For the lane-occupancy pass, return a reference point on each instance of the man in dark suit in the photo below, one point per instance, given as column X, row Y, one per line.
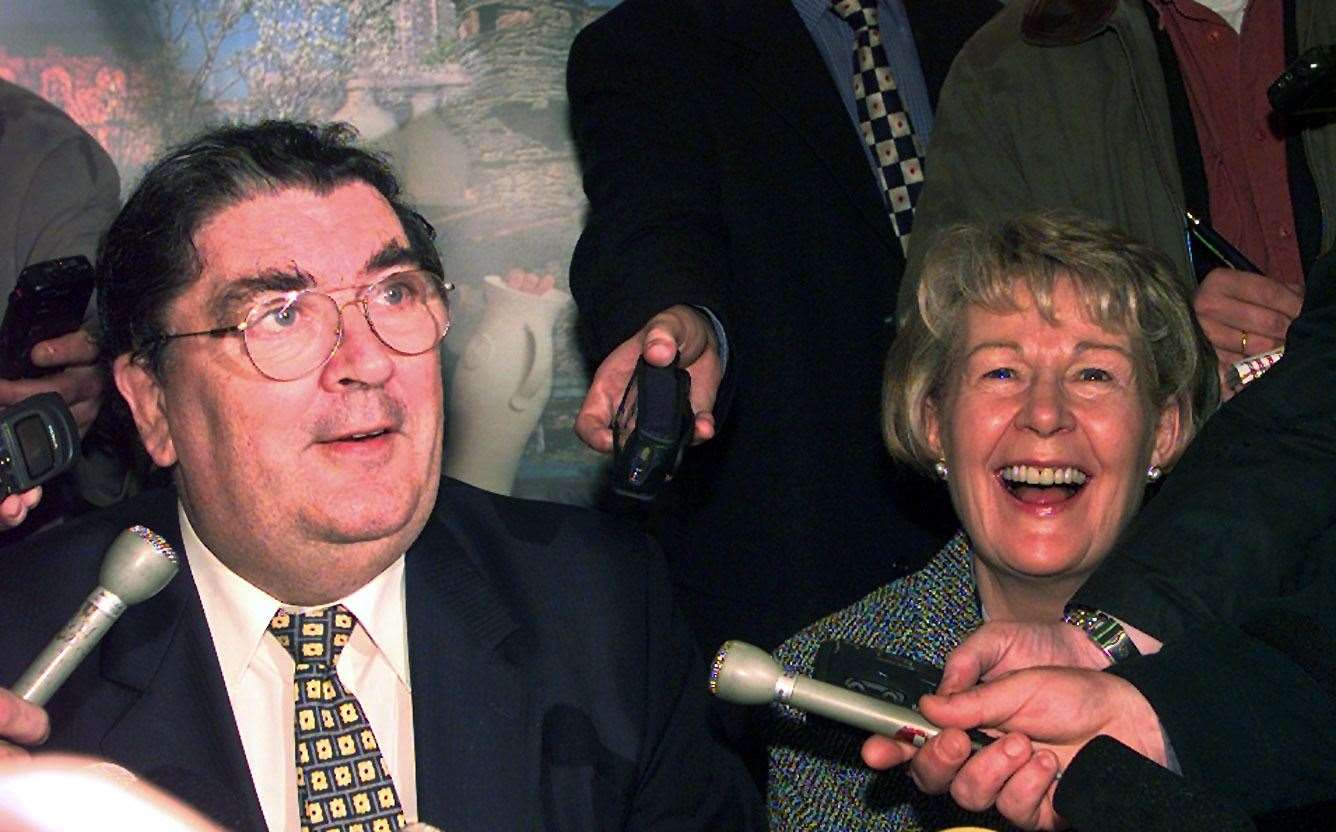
column 348, row 646
column 735, row 208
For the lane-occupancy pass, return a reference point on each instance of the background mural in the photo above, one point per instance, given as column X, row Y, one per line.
column 468, row 97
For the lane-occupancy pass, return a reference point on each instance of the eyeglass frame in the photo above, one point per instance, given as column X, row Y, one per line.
column 360, row 298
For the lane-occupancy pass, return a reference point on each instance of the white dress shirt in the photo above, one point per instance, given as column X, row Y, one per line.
column 258, row 673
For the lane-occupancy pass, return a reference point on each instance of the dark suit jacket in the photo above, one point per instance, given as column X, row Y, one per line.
column 553, row 688
column 1233, row 566
column 723, row 171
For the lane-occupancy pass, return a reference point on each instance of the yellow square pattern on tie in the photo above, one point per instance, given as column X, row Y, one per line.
column 342, row 782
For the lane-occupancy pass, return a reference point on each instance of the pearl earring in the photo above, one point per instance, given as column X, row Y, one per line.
column 940, row 468
column 1153, row 473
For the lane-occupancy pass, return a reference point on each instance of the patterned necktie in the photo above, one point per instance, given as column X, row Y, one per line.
column 883, row 118
column 342, row 784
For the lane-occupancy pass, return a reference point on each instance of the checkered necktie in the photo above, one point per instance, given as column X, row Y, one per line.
column 883, row 118
column 342, row 784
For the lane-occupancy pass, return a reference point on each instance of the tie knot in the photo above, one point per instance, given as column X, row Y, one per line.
column 314, row 638
column 860, row 14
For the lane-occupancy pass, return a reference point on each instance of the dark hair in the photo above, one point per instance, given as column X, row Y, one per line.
column 148, row 258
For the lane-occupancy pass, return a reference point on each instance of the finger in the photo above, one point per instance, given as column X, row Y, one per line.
column 13, row 511
column 545, row 284
column 77, row 384
column 1228, row 339
column 1026, row 799
column 76, row 347
column 938, row 761
column 1271, row 294
column 594, row 419
column 983, row 776
column 704, row 427
column 1258, row 289
column 20, row 721
column 85, row 413
column 1241, row 315
column 12, row 752
column 593, row 422
column 882, row 753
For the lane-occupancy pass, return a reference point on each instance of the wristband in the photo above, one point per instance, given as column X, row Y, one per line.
column 1108, row 635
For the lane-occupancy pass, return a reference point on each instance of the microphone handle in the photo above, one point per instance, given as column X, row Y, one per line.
column 70, row 646
column 858, row 710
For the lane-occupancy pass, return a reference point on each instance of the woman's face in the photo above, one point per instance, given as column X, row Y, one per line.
column 1046, row 436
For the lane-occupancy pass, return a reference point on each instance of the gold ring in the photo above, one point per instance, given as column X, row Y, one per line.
column 1244, row 343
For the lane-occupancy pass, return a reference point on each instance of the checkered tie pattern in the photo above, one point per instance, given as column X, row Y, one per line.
column 342, row 784
column 883, row 118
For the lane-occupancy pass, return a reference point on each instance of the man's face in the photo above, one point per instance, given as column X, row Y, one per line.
column 306, row 488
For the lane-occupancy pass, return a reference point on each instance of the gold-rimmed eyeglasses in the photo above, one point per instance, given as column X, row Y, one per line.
column 290, row 334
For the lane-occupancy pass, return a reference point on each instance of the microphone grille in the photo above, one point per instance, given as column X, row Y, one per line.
column 718, row 665
column 157, row 541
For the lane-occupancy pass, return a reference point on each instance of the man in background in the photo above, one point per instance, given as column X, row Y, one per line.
column 751, row 170
column 60, row 193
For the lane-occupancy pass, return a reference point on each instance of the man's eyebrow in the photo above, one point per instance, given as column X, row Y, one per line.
column 393, row 254
column 241, row 292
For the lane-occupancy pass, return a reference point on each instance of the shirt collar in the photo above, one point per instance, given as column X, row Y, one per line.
column 238, row 612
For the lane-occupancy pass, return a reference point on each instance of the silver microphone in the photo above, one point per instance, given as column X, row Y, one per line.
column 138, row 564
column 747, row 675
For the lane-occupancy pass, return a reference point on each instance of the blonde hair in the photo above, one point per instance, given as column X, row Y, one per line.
column 1122, row 285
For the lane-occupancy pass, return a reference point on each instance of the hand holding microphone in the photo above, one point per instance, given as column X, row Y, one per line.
column 138, row 565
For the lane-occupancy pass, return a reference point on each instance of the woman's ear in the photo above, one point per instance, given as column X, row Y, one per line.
column 1169, row 439
column 932, row 427
column 143, row 393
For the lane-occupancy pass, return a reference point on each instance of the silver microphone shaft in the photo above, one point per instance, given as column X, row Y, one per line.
column 138, row 564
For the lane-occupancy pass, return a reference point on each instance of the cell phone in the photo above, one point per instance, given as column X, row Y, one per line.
column 49, row 300
column 883, row 675
column 38, row 440
column 651, row 431
column 1307, row 86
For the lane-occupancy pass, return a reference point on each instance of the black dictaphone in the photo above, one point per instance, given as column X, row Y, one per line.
column 880, row 674
column 651, row 431
column 49, row 300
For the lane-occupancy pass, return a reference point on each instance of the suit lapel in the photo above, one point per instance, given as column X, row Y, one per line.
column 180, row 732
column 470, row 705
column 776, row 58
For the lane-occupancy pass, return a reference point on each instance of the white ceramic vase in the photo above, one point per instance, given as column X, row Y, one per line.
column 501, row 384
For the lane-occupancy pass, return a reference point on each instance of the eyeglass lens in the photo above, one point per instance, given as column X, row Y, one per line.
column 289, row 337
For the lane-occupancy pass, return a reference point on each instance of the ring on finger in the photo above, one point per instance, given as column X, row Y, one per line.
column 1243, row 341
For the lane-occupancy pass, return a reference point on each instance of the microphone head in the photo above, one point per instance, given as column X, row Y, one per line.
column 138, row 564
column 744, row 674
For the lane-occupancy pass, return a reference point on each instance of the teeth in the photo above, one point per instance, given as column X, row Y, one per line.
column 1030, row 475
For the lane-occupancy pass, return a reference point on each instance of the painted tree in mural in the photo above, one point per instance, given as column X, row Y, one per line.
column 246, row 59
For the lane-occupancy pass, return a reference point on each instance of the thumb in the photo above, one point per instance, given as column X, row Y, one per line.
column 678, row 329
column 968, row 663
column 991, row 704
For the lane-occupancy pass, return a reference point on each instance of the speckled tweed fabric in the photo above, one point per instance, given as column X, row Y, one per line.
column 816, row 779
